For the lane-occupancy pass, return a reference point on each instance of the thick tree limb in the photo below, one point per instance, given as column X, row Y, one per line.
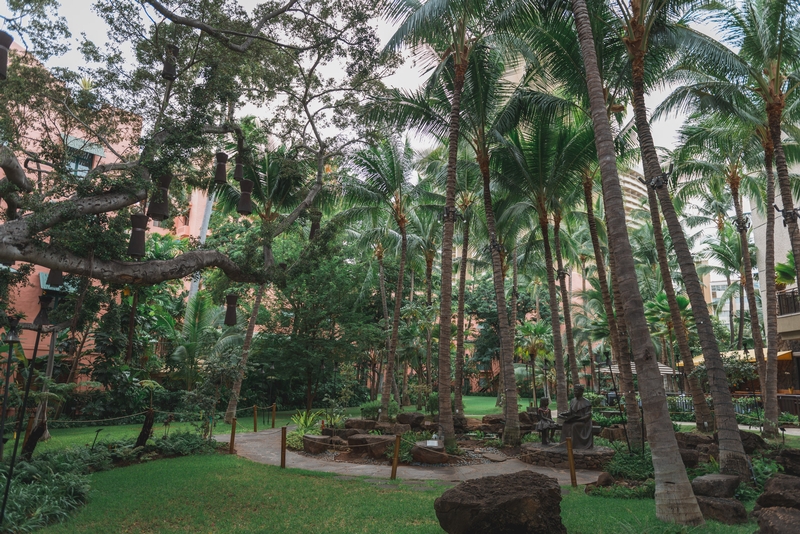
column 144, row 273
column 221, row 35
column 14, row 171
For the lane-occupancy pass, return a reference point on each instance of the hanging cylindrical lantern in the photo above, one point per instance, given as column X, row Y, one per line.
column 158, row 209
column 238, row 171
column 221, row 174
column 5, row 44
column 245, row 206
column 230, row 310
column 170, row 71
column 55, row 278
column 138, row 227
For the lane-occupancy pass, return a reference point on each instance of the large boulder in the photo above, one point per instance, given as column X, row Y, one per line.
column 781, row 490
column 414, row 419
column 728, row 511
column 494, row 419
column 429, row 452
column 315, row 444
column 690, row 457
column 459, row 423
column 374, row 446
column 790, row 459
column 778, row 520
column 506, row 504
column 341, row 432
column 525, row 419
column 691, row 440
column 613, row 433
column 716, row 485
column 752, row 442
column 360, row 424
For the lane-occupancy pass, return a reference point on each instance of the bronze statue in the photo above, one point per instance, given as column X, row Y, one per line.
column 577, row 421
column 546, row 426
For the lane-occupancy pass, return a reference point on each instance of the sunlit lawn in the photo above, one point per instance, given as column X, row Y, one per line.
column 221, row 493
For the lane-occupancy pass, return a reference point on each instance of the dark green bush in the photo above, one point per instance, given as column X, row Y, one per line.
column 406, row 444
column 370, row 410
column 604, row 421
column 636, row 466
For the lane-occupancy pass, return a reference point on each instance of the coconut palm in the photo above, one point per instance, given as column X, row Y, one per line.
column 383, row 185
column 675, row 501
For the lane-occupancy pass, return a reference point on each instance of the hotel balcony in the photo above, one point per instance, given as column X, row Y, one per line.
column 789, row 314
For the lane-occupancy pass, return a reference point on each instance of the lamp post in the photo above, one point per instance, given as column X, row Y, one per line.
column 616, row 395
column 40, row 320
column 11, row 338
column 230, row 309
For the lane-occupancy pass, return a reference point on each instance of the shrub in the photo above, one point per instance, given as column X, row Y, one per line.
column 605, row 421
column 637, row 466
column 406, row 444
column 306, row 421
column 787, row 418
column 532, row 437
column 763, row 470
column 496, row 443
column 294, row 439
column 594, row 398
column 371, row 409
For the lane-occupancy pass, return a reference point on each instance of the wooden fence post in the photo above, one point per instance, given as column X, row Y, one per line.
column 274, row 409
column 572, row 477
column 283, row 446
column 396, row 456
column 255, row 418
column 233, row 436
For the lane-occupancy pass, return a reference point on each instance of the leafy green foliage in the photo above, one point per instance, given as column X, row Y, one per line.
column 763, row 470
column 406, row 444
column 306, row 421
column 637, row 466
column 371, row 409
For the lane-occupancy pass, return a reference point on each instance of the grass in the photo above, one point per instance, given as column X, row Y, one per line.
column 480, row 406
column 226, row 494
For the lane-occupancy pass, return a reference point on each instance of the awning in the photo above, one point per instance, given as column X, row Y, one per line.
column 750, row 356
column 79, row 144
column 665, row 370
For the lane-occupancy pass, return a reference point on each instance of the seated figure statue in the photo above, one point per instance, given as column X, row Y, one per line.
column 577, row 421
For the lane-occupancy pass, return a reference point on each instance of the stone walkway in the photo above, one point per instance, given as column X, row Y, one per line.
column 265, row 447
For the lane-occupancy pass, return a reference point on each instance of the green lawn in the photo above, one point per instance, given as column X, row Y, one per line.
column 480, row 406
column 220, row 493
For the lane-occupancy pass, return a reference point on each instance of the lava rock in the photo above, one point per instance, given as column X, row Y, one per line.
column 605, row 480
column 414, row 419
column 782, row 491
column 431, row 452
column 459, row 423
column 716, row 485
column 690, row 457
column 315, row 444
column 506, row 504
column 790, row 459
column 524, row 418
column 360, row 424
column 494, row 419
column 778, row 520
column 691, row 440
column 728, row 511
column 338, row 441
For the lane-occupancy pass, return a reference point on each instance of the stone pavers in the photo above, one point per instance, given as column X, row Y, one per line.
column 264, row 447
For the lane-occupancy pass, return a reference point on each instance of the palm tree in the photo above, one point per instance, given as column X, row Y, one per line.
column 384, row 170
column 675, row 501
column 645, row 21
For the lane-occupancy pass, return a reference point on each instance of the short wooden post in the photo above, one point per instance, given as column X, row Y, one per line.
column 396, row 456
column 572, row 477
column 233, row 436
column 283, row 446
column 274, row 410
column 255, row 418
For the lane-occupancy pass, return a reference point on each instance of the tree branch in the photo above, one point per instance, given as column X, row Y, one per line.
column 143, row 273
column 14, row 171
column 220, row 35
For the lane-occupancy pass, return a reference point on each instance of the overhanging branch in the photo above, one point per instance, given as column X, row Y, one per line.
column 13, row 170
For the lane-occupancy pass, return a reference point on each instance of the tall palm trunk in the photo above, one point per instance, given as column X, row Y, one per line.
column 429, row 334
column 732, row 458
column 562, row 400
column 774, row 112
column 446, row 293
column 771, row 411
column 230, row 413
column 388, row 377
column 674, row 498
column 702, row 413
column 458, row 405
column 509, row 384
column 731, row 315
column 625, row 361
column 566, row 301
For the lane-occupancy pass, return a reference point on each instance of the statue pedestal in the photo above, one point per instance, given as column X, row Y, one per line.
column 555, row 455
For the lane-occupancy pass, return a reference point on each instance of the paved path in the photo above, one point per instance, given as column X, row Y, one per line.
column 265, row 447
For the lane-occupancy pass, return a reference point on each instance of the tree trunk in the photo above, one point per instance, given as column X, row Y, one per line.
column 624, row 361
column 674, row 498
column 771, row 411
column 446, row 294
column 774, row 112
column 731, row 314
column 462, row 288
column 429, row 334
column 562, row 400
column 702, row 413
column 566, row 301
column 511, row 430
column 731, row 453
column 388, row 378
column 230, row 413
